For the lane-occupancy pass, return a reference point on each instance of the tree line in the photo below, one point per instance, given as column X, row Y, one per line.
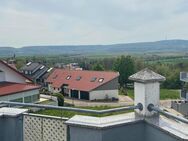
column 125, row 65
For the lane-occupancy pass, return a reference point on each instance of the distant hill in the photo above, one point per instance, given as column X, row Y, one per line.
column 140, row 47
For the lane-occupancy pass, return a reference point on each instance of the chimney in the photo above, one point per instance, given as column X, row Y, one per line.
column 146, row 90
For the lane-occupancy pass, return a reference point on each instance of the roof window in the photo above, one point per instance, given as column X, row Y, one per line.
column 68, row 77
column 28, row 64
column 41, row 67
column 93, row 79
column 78, row 78
column 101, row 80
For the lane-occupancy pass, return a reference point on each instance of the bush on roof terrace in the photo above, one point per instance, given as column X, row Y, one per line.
column 60, row 99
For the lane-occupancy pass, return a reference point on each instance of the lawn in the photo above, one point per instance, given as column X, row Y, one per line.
column 164, row 94
column 69, row 114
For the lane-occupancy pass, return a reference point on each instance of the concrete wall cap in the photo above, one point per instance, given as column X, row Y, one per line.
column 147, row 75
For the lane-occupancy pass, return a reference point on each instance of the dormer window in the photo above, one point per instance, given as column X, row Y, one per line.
column 68, row 77
column 93, row 79
column 78, row 78
column 101, row 80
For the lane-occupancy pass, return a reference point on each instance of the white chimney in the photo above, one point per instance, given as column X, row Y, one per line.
column 146, row 89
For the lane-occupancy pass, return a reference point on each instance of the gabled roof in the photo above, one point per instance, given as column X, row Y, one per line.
column 32, row 66
column 13, row 69
column 80, row 79
column 147, row 75
column 8, row 88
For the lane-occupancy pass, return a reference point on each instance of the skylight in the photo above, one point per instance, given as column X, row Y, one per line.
column 49, row 70
column 78, row 78
column 41, row 67
column 68, row 77
column 93, row 79
column 28, row 64
column 101, row 80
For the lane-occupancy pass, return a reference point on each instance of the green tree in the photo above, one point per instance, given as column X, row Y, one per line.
column 60, row 99
column 125, row 67
column 98, row 67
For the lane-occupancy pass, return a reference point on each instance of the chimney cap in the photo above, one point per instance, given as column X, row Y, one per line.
column 146, row 75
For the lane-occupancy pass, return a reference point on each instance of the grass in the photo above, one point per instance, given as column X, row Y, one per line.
column 69, row 114
column 164, row 94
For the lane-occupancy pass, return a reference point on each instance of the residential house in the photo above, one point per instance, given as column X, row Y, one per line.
column 84, row 84
column 70, row 66
column 35, row 71
column 14, row 86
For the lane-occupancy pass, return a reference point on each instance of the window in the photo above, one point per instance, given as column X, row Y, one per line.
column 78, row 78
column 101, row 80
column 68, row 77
column 93, row 79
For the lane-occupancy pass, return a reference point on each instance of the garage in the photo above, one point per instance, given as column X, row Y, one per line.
column 84, row 95
column 74, row 93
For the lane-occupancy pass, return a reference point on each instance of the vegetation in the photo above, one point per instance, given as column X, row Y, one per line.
column 60, row 99
column 69, row 114
column 168, row 66
column 125, row 67
column 98, row 67
column 164, row 94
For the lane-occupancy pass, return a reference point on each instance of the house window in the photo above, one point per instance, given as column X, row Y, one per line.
column 101, row 80
column 78, row 78
column 68, row 77
column 93, row 79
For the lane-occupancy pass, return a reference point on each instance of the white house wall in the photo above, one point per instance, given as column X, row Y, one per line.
column 10, row 75
column 2, row 76
column 103, row 94
column 51, row 89
column 19, row 95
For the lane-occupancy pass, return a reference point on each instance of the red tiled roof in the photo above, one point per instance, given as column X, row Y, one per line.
column 58, row 78
column 8, row 88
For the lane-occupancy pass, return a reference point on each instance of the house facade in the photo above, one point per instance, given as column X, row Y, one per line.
column 14, row 86
column 82, row 84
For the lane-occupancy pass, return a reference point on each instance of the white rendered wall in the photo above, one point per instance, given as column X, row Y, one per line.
column 146, row 93
column 2, row 76
column 11, row 76
column 19, row 95
column 56, row 90
column 51, row 89
column 101, row 94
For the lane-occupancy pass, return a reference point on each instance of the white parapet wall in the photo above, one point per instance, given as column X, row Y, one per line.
column 103, row 94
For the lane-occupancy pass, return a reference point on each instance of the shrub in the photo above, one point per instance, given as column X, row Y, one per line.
column 60, row 99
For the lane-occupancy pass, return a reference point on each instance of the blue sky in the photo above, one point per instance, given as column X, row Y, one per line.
column 62, row 22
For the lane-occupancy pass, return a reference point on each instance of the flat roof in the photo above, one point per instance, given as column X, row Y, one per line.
column 9, row 88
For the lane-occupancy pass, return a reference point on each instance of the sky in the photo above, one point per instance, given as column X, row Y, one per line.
column 80, row 22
